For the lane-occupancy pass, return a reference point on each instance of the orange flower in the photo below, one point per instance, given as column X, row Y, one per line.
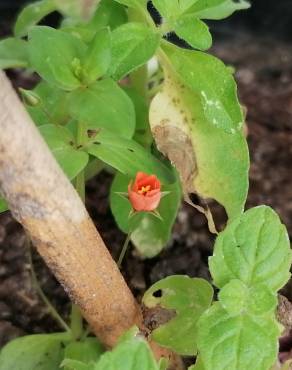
column 144, row 193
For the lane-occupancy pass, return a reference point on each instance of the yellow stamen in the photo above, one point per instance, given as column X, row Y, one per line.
column 144, row 189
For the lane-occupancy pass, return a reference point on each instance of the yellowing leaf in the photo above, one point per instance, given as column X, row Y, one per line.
column 211, row 162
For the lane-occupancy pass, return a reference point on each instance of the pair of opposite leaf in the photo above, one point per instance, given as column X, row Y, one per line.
column 184, row 17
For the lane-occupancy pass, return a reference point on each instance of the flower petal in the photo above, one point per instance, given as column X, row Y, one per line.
column 147, row 200
column 137, row 201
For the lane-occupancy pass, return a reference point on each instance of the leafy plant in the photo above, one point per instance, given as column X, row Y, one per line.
column 91, row 107
column 91, row 122
column 251, row 262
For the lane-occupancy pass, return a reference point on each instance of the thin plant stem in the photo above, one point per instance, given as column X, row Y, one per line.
column 80, row 185
column 76, row 325
column 80, row 179
column 76, row 317
column 86, row 332
column 139, row 77
column 124, row 249
column 93, row 168
column 51, row 309
column 139, row 80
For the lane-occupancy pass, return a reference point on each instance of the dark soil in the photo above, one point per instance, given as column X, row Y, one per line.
column 264, row 74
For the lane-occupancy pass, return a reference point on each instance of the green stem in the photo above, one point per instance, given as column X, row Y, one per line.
column 76, row 317
column 124, row 250
column 93, row 168
column 51, row 308
column 80, row 179
column 142, row 15
column 163, row 57
column 139, row 77
column 86, row 332
column 80, row 185
column 139, row 81
column 76, row 322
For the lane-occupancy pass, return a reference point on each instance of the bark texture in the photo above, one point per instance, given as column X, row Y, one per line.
column 43, row 200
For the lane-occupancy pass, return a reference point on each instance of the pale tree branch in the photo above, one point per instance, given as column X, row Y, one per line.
column 43, row 200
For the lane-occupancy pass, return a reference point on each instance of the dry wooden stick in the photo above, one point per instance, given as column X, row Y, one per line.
column 43, row 200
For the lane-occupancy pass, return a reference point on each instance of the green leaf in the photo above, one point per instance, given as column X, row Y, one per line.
column 104, row 105
column 173, row 9
column 108, row 14
column 193, row 31
column 217, row 9
column 56, row 56
column 61, row 142
column 163, row 364
column 186, row 4
column 236, row 343
column 3, row 205
column 120, row 205
column 208, row 77
column 76, row 365
column 81, row 31
column 261, row 300
column 236, row 298
column 93, row 168
column 87, row 351
column 133, row 3
column 71, row 161
column 150, row 234
column 255, row 249
column 198, row 365
column 13, row 53
column 187, row 26
column 189, row 297
column 129, row 335
column 131, row 354
column 34, row 352
column 166, row 8
column 31, row 15
column 127, row 156
column 52, row 106
column 212, row 162
column 133, row 44
column 57, row 137
column 98, row 56
column 80, row 9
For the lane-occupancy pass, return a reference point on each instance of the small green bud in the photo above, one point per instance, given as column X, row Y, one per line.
column 77, row 69
column 30, row 98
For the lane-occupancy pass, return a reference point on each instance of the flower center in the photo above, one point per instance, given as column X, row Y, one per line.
column 144, row 189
